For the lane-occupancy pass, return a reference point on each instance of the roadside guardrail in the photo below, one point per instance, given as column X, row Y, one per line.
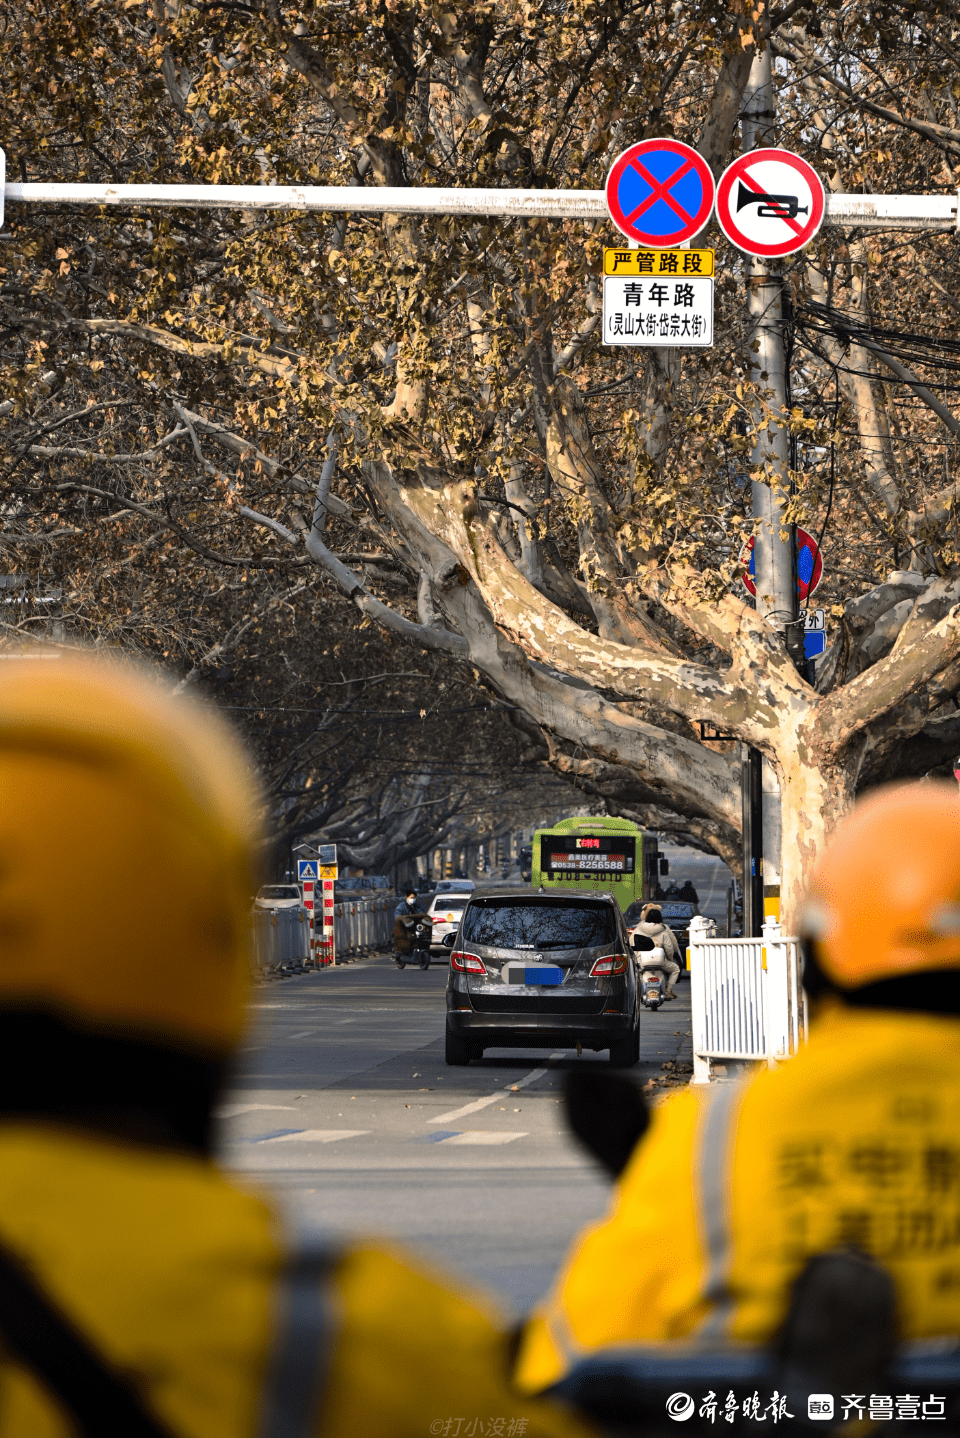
column 281, row 939
column 746, row 998
column 362, row 926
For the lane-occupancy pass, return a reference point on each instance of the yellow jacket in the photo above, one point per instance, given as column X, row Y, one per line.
column 173, row 1272
column 855, row 1142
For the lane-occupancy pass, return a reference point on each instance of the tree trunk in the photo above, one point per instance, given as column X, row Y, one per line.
column 813, row 799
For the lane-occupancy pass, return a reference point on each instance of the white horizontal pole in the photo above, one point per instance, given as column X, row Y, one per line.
column 358, row 199
column 897, row 212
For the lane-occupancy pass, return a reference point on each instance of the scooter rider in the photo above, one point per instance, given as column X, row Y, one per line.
column 144, row 1291
column 652, row 927
column 404, row 916
column 851, row 1144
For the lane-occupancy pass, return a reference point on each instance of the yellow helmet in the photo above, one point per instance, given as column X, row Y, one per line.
column 884, row 899
column 127, row 837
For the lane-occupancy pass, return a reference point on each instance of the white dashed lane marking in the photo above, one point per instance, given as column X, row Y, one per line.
column 314, row 1135
column 481, row 1103
column 233, row 1110
column 482, row 1137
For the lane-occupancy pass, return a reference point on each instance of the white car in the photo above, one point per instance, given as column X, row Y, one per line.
column 445, row 911
column 278, row 896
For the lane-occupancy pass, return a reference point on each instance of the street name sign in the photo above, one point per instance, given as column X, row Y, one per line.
column 660, row 193
column 658, row 297
column 770, row 203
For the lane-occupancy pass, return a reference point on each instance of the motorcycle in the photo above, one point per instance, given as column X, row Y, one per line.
column 419, row 935
column 652, row 979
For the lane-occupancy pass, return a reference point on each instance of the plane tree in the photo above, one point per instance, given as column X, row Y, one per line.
column 420, row 409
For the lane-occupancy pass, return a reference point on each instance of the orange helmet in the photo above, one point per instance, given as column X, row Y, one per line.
column 127, row 837
column 884, row 899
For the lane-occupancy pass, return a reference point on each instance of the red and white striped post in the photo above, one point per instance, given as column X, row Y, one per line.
column 308, row 891
column 326, row 949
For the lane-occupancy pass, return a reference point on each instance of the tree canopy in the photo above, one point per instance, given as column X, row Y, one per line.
column 420, row 411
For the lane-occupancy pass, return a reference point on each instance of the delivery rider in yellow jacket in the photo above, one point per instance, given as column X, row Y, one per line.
column 855, row 1142
column 142, row 1291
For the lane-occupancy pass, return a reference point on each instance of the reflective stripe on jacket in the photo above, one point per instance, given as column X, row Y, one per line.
column 856, row 1142
column 178, row 1279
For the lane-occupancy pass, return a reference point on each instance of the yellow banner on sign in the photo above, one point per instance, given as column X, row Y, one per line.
column 658, row 262
column 328, row 871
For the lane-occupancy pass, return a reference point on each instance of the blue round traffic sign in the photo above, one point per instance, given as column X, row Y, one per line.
column 660, row 192
column 809, row 565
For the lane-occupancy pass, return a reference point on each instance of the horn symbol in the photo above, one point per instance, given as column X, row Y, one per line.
column 771, row 207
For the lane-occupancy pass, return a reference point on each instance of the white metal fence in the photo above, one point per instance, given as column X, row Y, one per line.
column 745, row 996
column 362, row 926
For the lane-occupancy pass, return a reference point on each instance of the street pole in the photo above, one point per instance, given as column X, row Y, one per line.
column 774, row 549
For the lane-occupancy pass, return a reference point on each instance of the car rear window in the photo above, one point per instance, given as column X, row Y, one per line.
column 632, row 915
column 279, row 893
column 677, row 911
column 449, row 904
column 549, row 924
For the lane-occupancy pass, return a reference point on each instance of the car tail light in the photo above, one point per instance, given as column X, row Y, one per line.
column 606, row 968
column 467, row 963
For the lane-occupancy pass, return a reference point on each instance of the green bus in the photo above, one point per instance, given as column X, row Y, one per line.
column 613, row 855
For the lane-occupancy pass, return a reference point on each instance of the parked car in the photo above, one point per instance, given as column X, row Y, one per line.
column 531, row 970
column 445, row 910
column 675, row 915
column 278, row 896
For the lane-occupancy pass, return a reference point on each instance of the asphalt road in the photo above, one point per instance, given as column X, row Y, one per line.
column 343, row 1107
column 709, row 876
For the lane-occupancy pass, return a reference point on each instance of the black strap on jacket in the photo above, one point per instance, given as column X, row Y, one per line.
column 35, row 1333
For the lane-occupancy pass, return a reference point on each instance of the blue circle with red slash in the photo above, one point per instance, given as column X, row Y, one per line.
column 809, row 565
column 660, row 192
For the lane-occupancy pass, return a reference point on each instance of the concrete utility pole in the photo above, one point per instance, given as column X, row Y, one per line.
column 774, row 568
column 774, row 557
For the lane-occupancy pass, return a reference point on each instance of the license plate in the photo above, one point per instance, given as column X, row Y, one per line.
column 543, row 975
